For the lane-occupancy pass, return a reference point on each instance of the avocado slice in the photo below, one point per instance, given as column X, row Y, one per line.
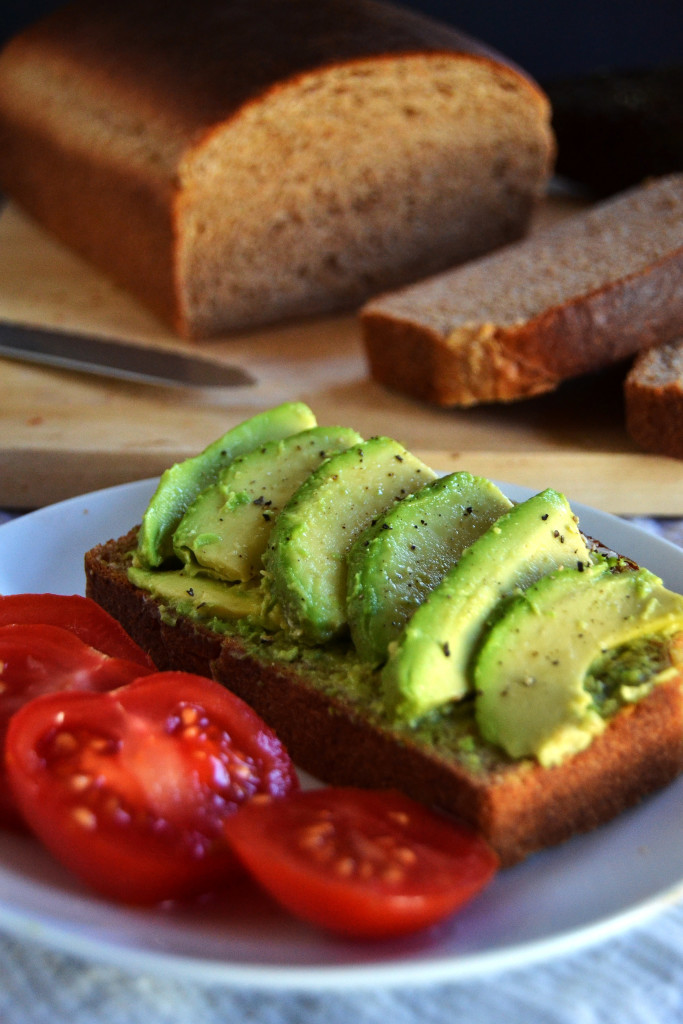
column 305, row 560
column 225, row 531
column 181, row 483
column 531, row 670
column 396, row 562
column 429, row 664
column 196, row 596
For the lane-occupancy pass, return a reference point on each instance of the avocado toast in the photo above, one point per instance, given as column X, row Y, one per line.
column 390, row 625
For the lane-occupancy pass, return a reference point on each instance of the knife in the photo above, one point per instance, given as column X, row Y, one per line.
column 112, row 358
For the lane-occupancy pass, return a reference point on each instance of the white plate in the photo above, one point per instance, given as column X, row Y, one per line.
column 556, row 902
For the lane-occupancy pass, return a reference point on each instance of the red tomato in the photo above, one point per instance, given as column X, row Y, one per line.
column 363, row 863
column 131, row 789
column 80, row 615
column 37, row 659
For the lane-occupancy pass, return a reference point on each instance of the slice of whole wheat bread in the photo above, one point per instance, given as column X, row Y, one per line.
column 653, row 393
column 577, row 297
column 518, row 806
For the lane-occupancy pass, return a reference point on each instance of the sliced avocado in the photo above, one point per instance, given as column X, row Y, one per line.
column 531, row 669
column 429, row 664
column 226, row 529
column 197, row 596
column 394, row 564
column 181, row 483
column 305, row 559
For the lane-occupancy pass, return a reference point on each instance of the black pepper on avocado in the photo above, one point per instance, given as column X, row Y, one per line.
column 434, row 605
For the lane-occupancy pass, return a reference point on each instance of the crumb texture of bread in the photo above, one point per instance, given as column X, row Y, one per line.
column 240, row 163
column 581, row 295
column 518, row 806
column 653, row 394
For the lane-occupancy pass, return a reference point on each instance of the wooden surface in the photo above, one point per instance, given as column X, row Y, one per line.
column 64, row 433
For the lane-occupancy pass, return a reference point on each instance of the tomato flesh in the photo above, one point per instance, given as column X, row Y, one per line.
column 131, row 789
column 80, row 615
column 366, row 864
column 39, row 659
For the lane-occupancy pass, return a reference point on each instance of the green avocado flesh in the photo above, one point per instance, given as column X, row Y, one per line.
column 396, row 562
column 197, row 596
column 430, row 663
column 226, row 529
column 531, row 670
column 414, row 600
column 183, row 482
column 305, row 562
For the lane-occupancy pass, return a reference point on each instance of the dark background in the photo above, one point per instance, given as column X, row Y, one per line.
column 549, row 38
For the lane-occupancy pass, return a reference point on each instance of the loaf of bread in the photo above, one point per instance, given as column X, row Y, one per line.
column 653, row 393
column 236, row 163
column 518, row 805
column 579, row 296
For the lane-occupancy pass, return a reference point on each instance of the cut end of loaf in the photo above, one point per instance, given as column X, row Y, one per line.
column 358, row 178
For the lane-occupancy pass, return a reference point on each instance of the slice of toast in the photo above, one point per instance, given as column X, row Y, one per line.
column 577, row 297
column 321, row 705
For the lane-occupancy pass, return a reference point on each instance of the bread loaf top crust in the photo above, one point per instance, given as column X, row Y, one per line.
column 131, row 53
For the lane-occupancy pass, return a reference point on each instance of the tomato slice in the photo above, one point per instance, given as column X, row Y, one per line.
column 131, row 789
column 80, row 615
column 38, row 659
column 364, row 863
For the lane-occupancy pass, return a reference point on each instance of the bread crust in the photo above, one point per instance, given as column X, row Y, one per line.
column 485, row 361
column 518, row 806
column 107, row 110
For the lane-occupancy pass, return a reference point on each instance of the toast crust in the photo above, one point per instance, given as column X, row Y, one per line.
column 519, row 807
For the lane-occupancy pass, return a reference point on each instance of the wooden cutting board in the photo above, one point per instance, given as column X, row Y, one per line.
column 63, row 433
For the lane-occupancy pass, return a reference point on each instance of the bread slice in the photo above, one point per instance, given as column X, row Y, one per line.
column 341, row 736
column 572, row 299
column 235, row 163
column 653, row 393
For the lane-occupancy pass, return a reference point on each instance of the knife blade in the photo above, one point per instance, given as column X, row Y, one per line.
column 112, row 358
